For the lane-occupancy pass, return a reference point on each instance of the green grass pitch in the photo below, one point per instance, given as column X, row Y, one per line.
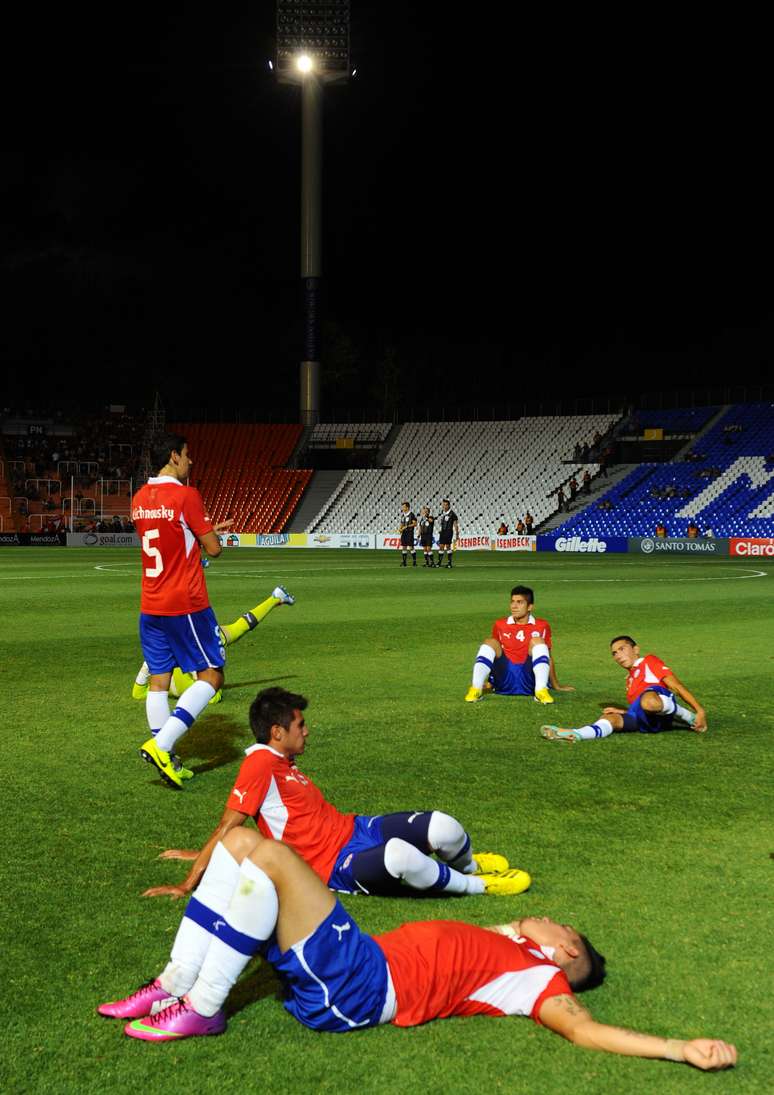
column 658, row 847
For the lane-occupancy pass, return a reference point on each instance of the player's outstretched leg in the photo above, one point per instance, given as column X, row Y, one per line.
column 602, row 728
column 248, row 621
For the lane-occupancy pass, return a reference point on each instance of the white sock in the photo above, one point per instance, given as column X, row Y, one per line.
column 668, row 705
column 156, row 710
column 540, row 650
column 602, row 728
column 482, row 666
column 193, row 940
column 450, row 842
column 249, row 920
column 144, row 675
column 407, row 863
column 194, row 700
column 683, row 713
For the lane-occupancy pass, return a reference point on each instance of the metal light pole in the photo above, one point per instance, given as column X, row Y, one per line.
column 312, row 50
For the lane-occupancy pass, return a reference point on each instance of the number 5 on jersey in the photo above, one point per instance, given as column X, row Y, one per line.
column 153, row 552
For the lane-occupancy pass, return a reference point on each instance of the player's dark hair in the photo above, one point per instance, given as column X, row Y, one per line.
column 273, row 705
column 162, row 446
column 624, row 639
column 594, row 975
column 524, row 591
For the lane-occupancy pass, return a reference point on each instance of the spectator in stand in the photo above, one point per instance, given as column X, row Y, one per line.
column 661, row 530
column 529, row 521
column 521, row 528
column 709, row 534
column 560, row 499
column 585, row 452
column 586, row 483
column 576, row 452
column 605, row 504
column 502, row 528
column 573, row 490
column 693, row 531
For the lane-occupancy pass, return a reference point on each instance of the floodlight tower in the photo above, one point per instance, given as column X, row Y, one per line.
column 312, row 50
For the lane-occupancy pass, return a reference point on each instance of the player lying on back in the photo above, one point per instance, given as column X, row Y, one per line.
column 352, row 853
column 229, row 634
column 517, row 659
column 258, row 897
column 652, row 691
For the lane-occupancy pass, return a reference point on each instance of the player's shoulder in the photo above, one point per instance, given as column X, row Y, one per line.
column 654, row 662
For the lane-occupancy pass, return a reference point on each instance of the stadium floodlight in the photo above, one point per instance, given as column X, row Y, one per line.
column 312, row 50
column 317, row 29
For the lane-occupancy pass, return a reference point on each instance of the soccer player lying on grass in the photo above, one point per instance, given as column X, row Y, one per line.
column 258, row 897
column 349, row 852
column 229, row 634
column 517, row 660
column 651, row 691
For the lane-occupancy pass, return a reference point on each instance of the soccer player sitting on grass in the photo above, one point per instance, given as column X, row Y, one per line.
column 258, row 897
column 352, row 853
column 651, row 692
column 517, row 659
column 229, row 634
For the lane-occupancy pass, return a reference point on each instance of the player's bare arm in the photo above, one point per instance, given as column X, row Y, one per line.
column 211, row 544
column 674, row 685
column 230, row 820
column 565, row 1015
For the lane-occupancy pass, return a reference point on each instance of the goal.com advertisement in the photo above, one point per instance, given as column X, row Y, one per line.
column 754, row 547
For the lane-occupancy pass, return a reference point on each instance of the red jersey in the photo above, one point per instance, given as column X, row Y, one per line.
column 643, row 675
column 169, row 517
column 287, row 806
column 514, row 638
column 442, row 967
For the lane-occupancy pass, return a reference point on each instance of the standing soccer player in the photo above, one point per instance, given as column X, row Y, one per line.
column 426, row 522
column 651, row 693
column 177, row 625
column 448, row 530
column 517, row 660
column 407, row 523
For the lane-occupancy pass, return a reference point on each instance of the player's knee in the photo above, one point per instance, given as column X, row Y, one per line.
column 399, row 856
column 213, row 677
column 444, row 832
column 241, row 842
column 493, row 645
column 650, row 701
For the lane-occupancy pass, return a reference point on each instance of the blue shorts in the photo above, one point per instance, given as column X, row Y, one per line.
column 648, row 722
column 367, row 834
column 510, row 679
column 192, row 642
column 337, row 978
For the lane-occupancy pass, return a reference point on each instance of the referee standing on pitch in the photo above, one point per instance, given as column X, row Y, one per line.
column 408, row 522
column 448, row 529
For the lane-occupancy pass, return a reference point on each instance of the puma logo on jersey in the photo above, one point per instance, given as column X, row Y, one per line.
column 341, row 928
column 419, row 814
column 217, row 923
column 240, row 795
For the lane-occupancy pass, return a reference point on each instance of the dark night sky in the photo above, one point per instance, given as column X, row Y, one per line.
column 577, row 207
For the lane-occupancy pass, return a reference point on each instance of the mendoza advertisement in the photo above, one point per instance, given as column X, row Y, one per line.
column 514, row 543
column 752, row 546
column 103, row 539
column 677, row 545
column 588, row 545
column 32, row 539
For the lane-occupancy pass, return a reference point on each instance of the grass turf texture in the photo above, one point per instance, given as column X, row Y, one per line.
column 658, row 847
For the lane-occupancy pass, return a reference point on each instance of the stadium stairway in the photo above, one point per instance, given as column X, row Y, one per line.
column 323, row 484
column 599, row 488
column 693, row 441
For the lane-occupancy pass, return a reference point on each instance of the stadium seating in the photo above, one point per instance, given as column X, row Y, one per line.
column 726, row 484
column 485, row 468
column 239, row 471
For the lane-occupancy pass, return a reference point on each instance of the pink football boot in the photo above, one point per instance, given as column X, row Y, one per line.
column 179, row 1020
column 146, row 1000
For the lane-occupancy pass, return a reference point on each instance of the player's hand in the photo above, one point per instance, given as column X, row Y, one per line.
column 179, row 853
column 709, row 1054
column 613, row 710
column 174, row 892
column 223, row 525
column 700, row 726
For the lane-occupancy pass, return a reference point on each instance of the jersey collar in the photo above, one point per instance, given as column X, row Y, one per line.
column 258, row 745
column 165, row 479
column 530, row 619
column 638, row 662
